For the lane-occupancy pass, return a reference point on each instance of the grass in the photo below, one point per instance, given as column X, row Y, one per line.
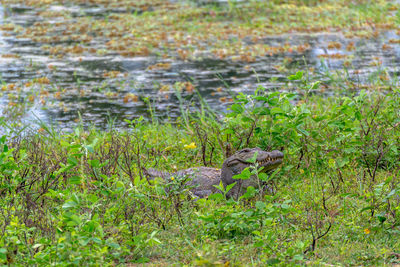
column 177, row 32
column 77, row 198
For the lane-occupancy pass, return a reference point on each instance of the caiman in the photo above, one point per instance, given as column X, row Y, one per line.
column 202, row 179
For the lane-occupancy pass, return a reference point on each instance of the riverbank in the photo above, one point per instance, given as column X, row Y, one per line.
column 81, row 198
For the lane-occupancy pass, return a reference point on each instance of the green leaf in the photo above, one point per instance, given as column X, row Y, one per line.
column 269, row 177
column 95, row 163
column 97, row 240
column 297, row 76
column 301, row 130
column 260, row 205
column 272, row 261
column 216, row 196
column 357, row 115
column 247, row 119
column 229, row 187
column 391, row 193
column 341, row 162
column 285, row 206
column 74, row 180
column 93, row 198
column 35, row 246
column 120, row 185
column 261, row 98
column 69, row 204
column 89, row 148
column 228, row 131
column 367, row 208
column 263, row 176
column 276, row 110
column 244, row 175
column 3, row 253
column 315, row 85
column 72, row 219
column 75, row 198
column 251, row 192
column 381, row 218
column 237, row 108
column 261, row 111
column 220, row 186
column 72, row 161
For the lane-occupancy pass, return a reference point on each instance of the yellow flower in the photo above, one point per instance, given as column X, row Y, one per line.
column 190, row 146
column 367, row 231
column 172, row 178
column 331, row 163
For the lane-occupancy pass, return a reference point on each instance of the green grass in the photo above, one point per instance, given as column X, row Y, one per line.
column 77, row 198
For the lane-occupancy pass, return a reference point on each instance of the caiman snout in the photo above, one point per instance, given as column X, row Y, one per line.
column 270, row 156
column 270, row 160
column 276, row 154
column 235, row 164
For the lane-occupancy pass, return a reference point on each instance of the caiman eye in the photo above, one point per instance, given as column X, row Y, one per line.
column 232, row 162
column 246, row 150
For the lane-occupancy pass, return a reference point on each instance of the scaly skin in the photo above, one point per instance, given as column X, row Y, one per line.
column 236, row 163
column 203, row 179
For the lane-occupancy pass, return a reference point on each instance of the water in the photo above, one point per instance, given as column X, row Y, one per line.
column 96, row 88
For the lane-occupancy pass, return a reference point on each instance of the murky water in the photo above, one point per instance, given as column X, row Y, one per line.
column 91, row 92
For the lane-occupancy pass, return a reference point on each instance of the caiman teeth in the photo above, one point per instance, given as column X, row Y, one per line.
column 268, row 159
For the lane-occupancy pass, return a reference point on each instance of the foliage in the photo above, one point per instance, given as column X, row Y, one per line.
column 79, row 197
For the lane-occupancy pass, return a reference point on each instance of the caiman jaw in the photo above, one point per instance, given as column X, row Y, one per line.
column 268, row 160
column 271, row 160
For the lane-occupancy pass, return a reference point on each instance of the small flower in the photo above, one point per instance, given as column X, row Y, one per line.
column 172, row 178
column 301, row 171
column 331, row 163
column 367, row 231
column 190, row 146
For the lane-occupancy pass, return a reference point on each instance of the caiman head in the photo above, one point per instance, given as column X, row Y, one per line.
column 236, row 163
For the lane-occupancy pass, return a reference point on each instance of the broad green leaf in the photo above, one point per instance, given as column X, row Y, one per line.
column 75, row 180
column 300, row 129
column 220, row 186
column 229, row 187
column 69, row 204
column 297, row 76
column 72, row 161
column 95, row 163
column 381, row 218
column 216, row 196
column 3, row 253
column 237, row 108
column 276, row 110
column 260, row 205
column 245, row 174
column 315, row 85
column 250, row 192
